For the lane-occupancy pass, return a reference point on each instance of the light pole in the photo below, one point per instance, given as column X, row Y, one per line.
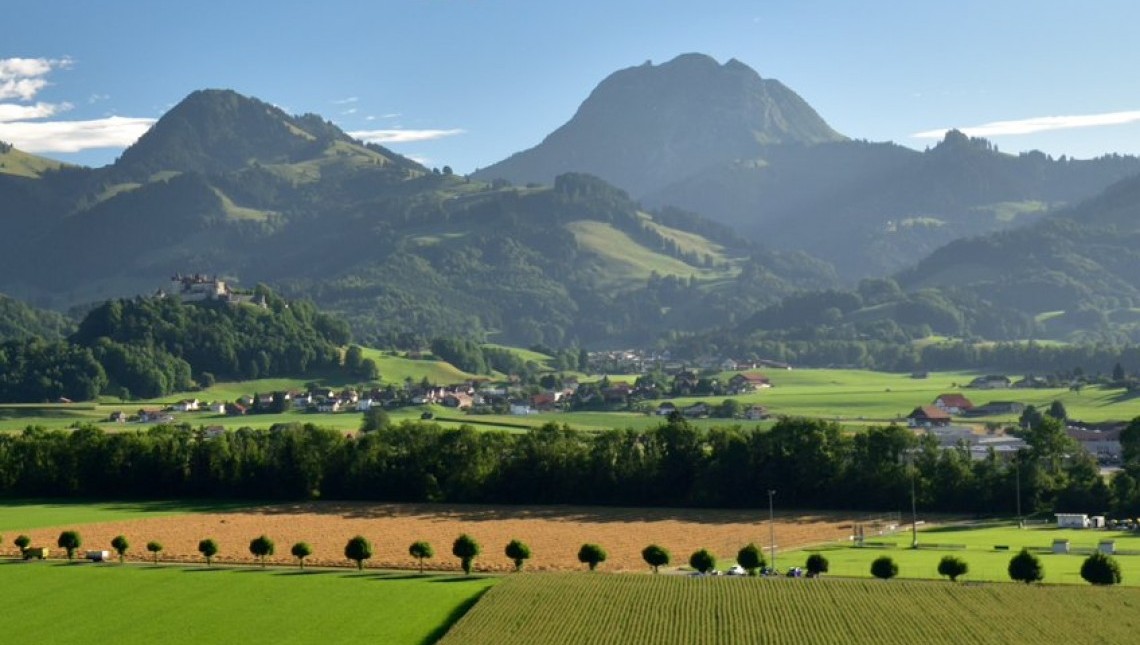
column 1017, row 465
column 913, row 512
column 771, row 529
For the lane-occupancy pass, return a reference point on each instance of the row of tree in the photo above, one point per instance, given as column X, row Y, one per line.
column 812, row 463
column 1097, row 569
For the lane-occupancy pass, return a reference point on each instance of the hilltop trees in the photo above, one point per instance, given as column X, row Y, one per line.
column 69, row 541
column 120, row 545
column 358, row 550
column 655, row 556
column 1101, row 569
column 1026, row 567
column 301, row 550
column 519, row 552
column 421, row 550
column 208, row 548
column 591, row 555
column 466, row 549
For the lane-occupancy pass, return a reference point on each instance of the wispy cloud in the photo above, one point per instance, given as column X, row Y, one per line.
column 74, row 136
column 403, row 136
column 1038, row 124
column 349, row 111
column 346, row 101
column 17, row 112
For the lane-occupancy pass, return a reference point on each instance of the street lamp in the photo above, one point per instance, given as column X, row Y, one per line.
column 771, row 530
column 1017, row 465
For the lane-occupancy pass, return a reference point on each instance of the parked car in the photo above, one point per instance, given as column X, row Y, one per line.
column 795, row 572
column 737, row 570
column 38, row 552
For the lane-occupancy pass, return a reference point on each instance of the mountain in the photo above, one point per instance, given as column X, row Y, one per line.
column 750, row 153
column 645, row 127
column 229, row 185
column 19, row 320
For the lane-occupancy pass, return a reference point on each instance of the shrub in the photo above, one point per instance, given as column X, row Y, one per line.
column 884, row 568
column 420, row 550
column 816, row 564
column 519, row 552
column 655, row 556
column 466, row 549
column 69, row 541
column 301, row 550
column 120, row 545
column 261, row 547
column 1101, row 569
column 208, row 548
column 702, row 560
column 1026, row 567
column 22, row 542
column 591, row 555
column 952, row 567
column 358, row 550
column 154, row 547
column 751, row 558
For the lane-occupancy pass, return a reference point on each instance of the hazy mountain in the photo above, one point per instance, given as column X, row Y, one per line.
column 750, row 153
column 645, row 127
column 225, row 184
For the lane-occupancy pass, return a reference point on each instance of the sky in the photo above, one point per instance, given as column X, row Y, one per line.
column 466, row 83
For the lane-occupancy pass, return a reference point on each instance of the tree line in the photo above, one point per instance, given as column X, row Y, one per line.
column 812, row 464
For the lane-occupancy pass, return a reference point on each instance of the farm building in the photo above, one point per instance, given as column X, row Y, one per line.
column 926, row 416
column 1072, row 521
column 990, row 382
column 953, row 403
column 1102, row 444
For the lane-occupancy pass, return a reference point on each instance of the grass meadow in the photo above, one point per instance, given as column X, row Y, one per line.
column 32, row 514
column 976, row 546
column 587, row 608
column 57, row 602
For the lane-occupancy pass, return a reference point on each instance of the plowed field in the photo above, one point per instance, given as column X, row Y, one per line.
column 553, row 533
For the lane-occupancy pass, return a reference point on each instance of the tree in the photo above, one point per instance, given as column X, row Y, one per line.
column 702, row 560
column 22, row 542
column 952, row 567
column 421, row 550
column 375, row 418
column 1130, row 442
column 1101, row 569
column 1026, row 567
column 358, row 550
column 519, row 552
column 69, row 541
column 884, row 568
column 466, row 549
column 1118, row 372
column 301, row 550
column 1057, row 410
column 120, row 545
column 751, row 557
column 816, row 564
column 154, row 547
column 208, row 548
column 591, row 554
column 261, row 547
column 655, row 556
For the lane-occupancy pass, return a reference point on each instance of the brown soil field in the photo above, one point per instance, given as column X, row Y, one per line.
column 553, row 533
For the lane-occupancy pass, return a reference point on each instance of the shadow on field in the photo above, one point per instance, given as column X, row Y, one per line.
column 452, row 618
column 206, row 569
column 571, row 514
column 460, row 578
column 140, row 506
column 305, row 572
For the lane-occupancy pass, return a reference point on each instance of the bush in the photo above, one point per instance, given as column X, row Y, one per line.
column 69, row 541
column 519, row 552
column 1026, row 567
column 816, row 564
column 358, row 550
column 22, row 542
column 703, row 561
column 261, row 547
column 884, row 568
column 120, row 545
column 420, row 550
column 208, row 548
column 655, row 556
column 466, row 549
column 592, row 555
column 1101, row 569
column 154, row 547
column 301, row 550
column 952, row 567
column 751, row 558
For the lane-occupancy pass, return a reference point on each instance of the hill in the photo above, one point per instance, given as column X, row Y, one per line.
column 231, row 186
column 750, row 153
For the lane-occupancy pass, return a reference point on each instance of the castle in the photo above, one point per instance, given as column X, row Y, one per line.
column 198, row 287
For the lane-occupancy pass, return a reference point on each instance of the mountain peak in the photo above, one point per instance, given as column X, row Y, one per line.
column 644, row 127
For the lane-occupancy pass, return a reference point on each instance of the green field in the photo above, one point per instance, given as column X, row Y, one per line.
column 976, row 547
column 54, row 602
column 32, row 514
column 613, row 609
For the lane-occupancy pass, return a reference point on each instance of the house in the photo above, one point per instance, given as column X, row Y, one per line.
column 1031, row 382
column 994, row 408
column 365, row 404
column 187, row 405
column 456, row 400
column 953, row 403
column 236, row 409
column 748, row 382
column 118, row 416
column 666, row 408
column 696, row 410
column 544, row 400
column 329, row 405
column 521, row 409
column 926, row 416
column 756, row 413
column 154, row 416
column 1072, row 521
column 216, row 407
column 990, row 382
column 303, row 400
column 1102, row 444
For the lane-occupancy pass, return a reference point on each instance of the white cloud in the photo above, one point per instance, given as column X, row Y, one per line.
column 1038, row 124
column 351, row 99
column 22, row 78
column 74, row 136
column 403, row 136
column 15, row 112
column 349, row 111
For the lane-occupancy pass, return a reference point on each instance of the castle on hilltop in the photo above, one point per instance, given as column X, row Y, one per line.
column 198, row 287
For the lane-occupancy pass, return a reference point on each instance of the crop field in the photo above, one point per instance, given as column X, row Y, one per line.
column 554, row 533
column 567, row 609
column 976, row 546
column 54, row 602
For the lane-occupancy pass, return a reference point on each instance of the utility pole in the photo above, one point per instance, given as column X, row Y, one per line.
column 771, row 529
column 913, row 513
column 1017, row 464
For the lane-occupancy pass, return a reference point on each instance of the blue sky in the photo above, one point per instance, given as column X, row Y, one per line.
column 468, row 82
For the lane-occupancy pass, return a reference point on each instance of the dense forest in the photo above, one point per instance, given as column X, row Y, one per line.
column 811, row 463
